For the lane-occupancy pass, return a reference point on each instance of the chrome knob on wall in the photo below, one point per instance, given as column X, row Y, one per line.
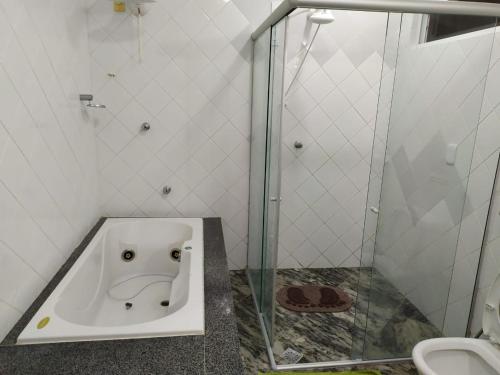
column 145, row 126
column 167, row 190
column 298, row 145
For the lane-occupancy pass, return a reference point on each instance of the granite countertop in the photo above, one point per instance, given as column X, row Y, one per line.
column 217, row 352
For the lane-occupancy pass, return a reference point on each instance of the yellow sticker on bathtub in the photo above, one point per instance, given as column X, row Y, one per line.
column 42, row 323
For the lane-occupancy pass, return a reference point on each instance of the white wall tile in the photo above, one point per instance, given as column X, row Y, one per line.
column 48, row 169
column 324, row 184
column 193, row 87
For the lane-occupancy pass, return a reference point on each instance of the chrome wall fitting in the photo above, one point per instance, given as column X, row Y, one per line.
column 145, row 126
column 88, row 98
column 167, row 190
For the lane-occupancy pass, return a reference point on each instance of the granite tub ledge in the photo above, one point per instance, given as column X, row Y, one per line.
column 216, row 352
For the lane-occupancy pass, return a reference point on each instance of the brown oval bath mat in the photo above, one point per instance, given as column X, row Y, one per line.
column 313, row 298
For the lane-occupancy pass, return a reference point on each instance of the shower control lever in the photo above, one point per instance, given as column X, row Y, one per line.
column 89, row 98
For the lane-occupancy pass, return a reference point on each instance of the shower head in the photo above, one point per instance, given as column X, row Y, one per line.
column 318, row 17
column 321, row 17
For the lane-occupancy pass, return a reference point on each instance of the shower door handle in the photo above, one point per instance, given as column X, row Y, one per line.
column 274, row 199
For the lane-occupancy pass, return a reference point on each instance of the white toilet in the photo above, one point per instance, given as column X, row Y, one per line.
column 465, row 356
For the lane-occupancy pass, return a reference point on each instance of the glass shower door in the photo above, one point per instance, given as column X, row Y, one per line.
column 388, row 70
column 272, row 194
column 434, row 113
column 265, row 174
column 258, row 144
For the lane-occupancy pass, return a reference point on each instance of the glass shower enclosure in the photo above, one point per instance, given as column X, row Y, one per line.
column 364, row 119
column 265, row 201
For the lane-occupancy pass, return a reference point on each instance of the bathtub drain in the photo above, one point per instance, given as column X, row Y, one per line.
column 128, row 305
column 165, row 303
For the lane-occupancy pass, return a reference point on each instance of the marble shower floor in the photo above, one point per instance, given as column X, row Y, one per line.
column 318, row 336
column 327, row 336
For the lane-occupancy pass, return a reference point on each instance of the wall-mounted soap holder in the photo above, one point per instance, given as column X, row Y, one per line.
column 89, row 98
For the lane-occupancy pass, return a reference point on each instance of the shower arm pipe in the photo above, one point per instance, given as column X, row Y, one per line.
column 465, row 8
column 307, row 48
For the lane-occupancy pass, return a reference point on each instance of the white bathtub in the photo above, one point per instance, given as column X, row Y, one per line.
column 106, row 297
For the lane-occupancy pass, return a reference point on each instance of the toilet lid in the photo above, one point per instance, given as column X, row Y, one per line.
column 491, row 317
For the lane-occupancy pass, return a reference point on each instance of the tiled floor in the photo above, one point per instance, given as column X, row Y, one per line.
column 311, row 334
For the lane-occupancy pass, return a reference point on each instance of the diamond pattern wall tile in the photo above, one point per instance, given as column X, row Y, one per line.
column 326, row 206
column 310, row 191
column 329, row 110
column 48, row 173
column 171, row 38
column 115, row 97
column 153, row 98
column 338, row 67
column 137, row 190
column 316, row 122
column 319, row 85
column 335, row 104
column 229, row 102
column 306, row 254
column 115, row 136
column 323, row 238
column 300, row 102
column 193, row 87
column 211, row 81
column 354, row 86
column 314, row 157
column 337, row 254
column 350, row 122
column 136, row 154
